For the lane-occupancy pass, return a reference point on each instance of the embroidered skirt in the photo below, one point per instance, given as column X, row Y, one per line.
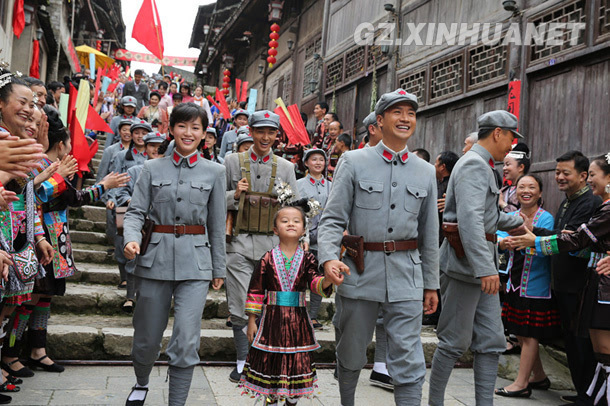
column 526, row 317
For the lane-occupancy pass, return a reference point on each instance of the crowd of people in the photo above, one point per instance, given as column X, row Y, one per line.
column 196, row 199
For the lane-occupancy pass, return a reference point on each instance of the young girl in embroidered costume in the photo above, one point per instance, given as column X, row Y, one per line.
column 280, row 363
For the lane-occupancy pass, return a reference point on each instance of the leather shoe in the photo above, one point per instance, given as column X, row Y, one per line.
column 24, row 372
column 523, row 393
column 544, row 384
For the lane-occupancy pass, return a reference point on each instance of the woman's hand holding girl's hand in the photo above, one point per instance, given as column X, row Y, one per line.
column 252, row 328
column 217, row 283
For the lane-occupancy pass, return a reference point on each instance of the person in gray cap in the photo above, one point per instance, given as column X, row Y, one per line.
column 104, row 169
column 210, row 144
column 392, row 211
column 373, row 130
column 471, row 316
column 152, row 141
column 243, row 143
column 470, row 141
column 240, row 118
column 127, row 111
column 315, row 186
column 122, row 161
column 251, row 177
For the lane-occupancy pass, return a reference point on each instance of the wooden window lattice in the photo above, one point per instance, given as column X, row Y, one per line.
column 486, row 64
column 446, row 78
column 574, row 12
column 287, row 89
column 604, row 17
column 311, row 71
column 375, row 56
column 354, row 63
column 415, row 83
column 334, row 73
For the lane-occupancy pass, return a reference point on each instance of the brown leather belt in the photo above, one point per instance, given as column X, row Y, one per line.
column 179, row 229
column 491, row 238
column 391, row 246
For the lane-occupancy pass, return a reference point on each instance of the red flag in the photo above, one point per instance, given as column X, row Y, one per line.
column 298, row 124
column 292, row 132
column 71, row 103
column 112, row 87
column 213, row 102
column 237, row 88
column 18, row 18
column 93, row 149
column 96, row 92
column 224, row 108
column 95, row 122
column 244, row 92
column 147, row 28
column 35, row 66
column 80, row 146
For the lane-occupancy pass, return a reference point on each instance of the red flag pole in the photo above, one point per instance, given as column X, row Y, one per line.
column 156, row 16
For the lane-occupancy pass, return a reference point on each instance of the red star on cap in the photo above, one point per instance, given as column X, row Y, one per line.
column 267, row 115
column 402, row 92
column 142, row 121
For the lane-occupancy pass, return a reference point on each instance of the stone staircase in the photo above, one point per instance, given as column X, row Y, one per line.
column 88, row 324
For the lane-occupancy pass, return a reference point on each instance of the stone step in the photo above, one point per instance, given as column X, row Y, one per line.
column 96, row 274
column 95, row 253
column 88, row 237
column 89, row 182
column 88, row 212
column 95, row 161
column 98, row 154
column 87, row 225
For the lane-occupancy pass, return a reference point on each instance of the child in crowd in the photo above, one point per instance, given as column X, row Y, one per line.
column 280, row 363
column 343, row 144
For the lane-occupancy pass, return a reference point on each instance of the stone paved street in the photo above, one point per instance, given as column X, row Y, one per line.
column 88, row 385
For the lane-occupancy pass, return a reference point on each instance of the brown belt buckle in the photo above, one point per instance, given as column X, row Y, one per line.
column 177, row 233
column 387, row 244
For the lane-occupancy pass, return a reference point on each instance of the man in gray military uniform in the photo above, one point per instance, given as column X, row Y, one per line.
column 387, row 195
column 256, row 171
column 374, row 132
column 240, row 119
column 471, row 316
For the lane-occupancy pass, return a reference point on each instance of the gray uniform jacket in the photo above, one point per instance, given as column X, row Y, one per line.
column 318, row 190
column 383, row 196
column 226, row 146
column 121, row 164
column 254, row 246
column 472, row 202
column 123, row 194
column 176, row 190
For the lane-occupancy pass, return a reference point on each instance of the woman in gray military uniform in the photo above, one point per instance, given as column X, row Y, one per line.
column 184, row 195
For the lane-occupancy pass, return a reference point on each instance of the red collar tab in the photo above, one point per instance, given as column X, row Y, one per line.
column 312, row 180
column 176, row 158
column 193, row 159
column 253, row 156
column 404, row 157
column 492, row 163
column 322, row 181
column 387, row 155
column 267, row 158
column 121, row 146
column 134, row 151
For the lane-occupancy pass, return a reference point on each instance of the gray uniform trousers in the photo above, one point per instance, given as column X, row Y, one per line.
column 381, row 338
column 150, row 320
column 470, row 319
column 405, row 356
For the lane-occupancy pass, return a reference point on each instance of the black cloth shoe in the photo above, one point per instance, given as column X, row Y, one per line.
column 36, row 363
column 136, row 402
column 5, row 399
column 24, row 372
column 544, row 384
column 523, row 393
column 13, row 380
column 383, row 380
column 234, row 376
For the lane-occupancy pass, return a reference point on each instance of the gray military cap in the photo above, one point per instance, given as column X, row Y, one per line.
column 369, row 120
column 312, row 151
column 140, row 124
column 241, row 138
column 125, row 121
column 387, row 100
column 211, row 130
column 499, row 118
column 129, row 101
column 244, row 129
column 264, row 118
column 153, row 137
column 241, row 111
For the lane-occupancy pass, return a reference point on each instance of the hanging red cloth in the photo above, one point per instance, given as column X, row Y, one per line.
column 35, row 66
column 147, row 28
column 18, row 18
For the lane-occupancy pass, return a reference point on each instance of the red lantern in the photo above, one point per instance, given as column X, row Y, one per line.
column 272, row 52
column 225, row 92
column 225, row 85
column 226, row 79
column 275, row 27
column 271, row 60
column 273, row 44
column 274, row 36
column 226, row 72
